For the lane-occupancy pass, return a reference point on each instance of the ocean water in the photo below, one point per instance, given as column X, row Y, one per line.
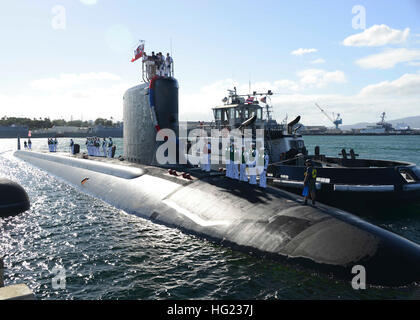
column 104, row 253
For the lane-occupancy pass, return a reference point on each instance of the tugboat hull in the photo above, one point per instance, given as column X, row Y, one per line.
column 370, row 189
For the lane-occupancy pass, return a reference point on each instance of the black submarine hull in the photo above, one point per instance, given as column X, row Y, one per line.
column 269, row 222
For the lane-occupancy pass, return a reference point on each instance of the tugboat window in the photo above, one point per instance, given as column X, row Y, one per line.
column 231, row 113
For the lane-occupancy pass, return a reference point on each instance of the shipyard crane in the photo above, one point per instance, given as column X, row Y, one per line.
column 336, row 122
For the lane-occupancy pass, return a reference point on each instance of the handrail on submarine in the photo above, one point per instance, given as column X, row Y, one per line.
column 147, row 75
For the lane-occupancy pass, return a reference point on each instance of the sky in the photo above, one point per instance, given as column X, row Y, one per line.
column 71, row 58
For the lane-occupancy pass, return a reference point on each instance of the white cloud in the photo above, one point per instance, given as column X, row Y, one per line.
column 72, row 80
column 406, row 85
column 320, row 78
column 364, row 106
column 389, row 58
column 89, row 2
column 377, row 35
column 93, row 95
column 318, row 61
column 286, row 84
column 301, row 51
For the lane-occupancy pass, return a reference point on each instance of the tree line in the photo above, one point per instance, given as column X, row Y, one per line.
column 45, row 123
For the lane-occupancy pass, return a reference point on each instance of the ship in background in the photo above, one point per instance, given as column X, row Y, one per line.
column 380, row 127
column 14, row 131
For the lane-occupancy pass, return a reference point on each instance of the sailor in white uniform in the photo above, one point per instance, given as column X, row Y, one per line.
column 242, row 166
column 168, row 64
column 253, row 155
column 208, row 164
column 162, row 65
column 236, row 157
column 227, row 162
column 263, row 174
column 104, row 147
column 203, row 157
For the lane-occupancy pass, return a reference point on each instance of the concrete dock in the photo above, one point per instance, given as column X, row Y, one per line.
column 13, row 292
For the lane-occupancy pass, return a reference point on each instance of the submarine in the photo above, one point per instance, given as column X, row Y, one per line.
column 269, row 222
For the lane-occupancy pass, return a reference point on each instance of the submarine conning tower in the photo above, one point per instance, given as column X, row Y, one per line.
column 148, row 108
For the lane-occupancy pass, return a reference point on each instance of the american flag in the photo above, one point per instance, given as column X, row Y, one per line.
column 250, row 100
column 263, row 99
column 138, row 53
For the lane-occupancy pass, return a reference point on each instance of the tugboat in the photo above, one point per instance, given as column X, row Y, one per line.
column 362, row 186
column 280, row 139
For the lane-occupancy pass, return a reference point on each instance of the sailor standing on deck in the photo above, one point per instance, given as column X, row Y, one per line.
column 97, row 147
column 263, row 161
column 162, row 64
column 235, row 156
column 71, row 146
column 228, row 162
column 309, row 182
column 110, row 144
column 208, row 164
column 168, row 65
column 55, row 144
column 253, row 154
column 104, row 147
column 29, row 144
column 205, row 157
column 242, row 166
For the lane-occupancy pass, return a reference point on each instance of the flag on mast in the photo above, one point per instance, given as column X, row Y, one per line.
column 249, row 100
column 138, row 53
